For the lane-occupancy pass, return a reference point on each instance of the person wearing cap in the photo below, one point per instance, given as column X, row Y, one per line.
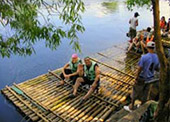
column 133, row 24
column 91, row 77
column 147, row 65
column 69, row 70
column 147, row 37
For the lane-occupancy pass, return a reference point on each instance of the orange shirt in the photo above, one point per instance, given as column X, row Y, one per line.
column 149, row 39
column 162, row 24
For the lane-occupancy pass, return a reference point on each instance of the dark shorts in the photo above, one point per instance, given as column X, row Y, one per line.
column 132, row 33
column 140, row 90
column 89, row 82
column 68, row 71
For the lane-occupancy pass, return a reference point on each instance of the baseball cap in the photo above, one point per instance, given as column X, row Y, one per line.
column 151, row 44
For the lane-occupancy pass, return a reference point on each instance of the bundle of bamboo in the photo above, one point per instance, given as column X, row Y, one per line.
column 40, row 100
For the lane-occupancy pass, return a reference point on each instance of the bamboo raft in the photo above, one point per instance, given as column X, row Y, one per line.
column 40, row 100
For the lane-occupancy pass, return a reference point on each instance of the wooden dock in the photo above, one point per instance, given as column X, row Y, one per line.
column 40, row 100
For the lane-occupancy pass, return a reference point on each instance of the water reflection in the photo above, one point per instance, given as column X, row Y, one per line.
column 111, row 7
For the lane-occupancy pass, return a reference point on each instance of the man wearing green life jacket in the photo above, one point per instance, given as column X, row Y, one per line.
column 69, row 71
column 91, row 77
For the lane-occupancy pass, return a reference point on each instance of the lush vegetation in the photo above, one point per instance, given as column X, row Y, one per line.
column 21, row 17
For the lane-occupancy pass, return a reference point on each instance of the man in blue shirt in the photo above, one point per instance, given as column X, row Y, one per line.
column 146, row 67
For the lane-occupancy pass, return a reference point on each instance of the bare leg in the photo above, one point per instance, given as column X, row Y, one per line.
column 131, row 106
column 130, row 47
column 143, row 46
column 67, row 71
column 90, row 91
column 137, row 46
column 77, row 84
column 60, row 83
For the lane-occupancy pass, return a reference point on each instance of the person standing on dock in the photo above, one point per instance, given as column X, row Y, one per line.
column 69, row 71
column 133, row 24
column 91, row 77
column 145, row 74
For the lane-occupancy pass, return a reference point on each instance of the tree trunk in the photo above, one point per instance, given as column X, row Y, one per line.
column 162, row 112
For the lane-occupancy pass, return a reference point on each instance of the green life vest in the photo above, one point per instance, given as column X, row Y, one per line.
column 74, row 66
column 91, row 72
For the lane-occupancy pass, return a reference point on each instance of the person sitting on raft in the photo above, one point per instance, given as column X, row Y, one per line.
column 135, row 42
column 163, row 25
column 69, row 70
column 147, row 37
column 91, row 76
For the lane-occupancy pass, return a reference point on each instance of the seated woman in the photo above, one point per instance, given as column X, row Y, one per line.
column 163, row 25
column 136, row 42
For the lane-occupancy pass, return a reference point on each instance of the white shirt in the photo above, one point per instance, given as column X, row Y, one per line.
column 133, row 22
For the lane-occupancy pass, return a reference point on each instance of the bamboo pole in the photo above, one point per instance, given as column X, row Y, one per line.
column 55, row 97
column 44, row 107
column 35, row 78
column 111, row 67
column 96, row 118
column 96, row 113
column 96, row 109
column 103, row 118
column 75, row 111
column 86, row 91
column 83, row 113
column 69, row 104
column 27, row 104
column 118, row 61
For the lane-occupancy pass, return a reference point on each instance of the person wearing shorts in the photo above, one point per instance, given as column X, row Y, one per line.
column 145, row 73
column 91, row 76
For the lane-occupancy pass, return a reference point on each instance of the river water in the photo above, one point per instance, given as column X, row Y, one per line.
column 105, row 27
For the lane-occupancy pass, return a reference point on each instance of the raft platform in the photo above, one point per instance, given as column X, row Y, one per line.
column 39, row 99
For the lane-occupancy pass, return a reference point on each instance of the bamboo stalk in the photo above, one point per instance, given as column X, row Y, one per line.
column 83, row 113
column 103, row 118
column 101, row 54
column 69, row 104
column 95, row 113
column 54, row 94
column 86, row 91
column 100, row 115
column 45, row 93
column 35, row 78
column 51, row 94
column 60, row 96
column 88, row 116
column 26, row 104
column 111, row 67
column 75, row 111
column 37, row 83
column 44, row 107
